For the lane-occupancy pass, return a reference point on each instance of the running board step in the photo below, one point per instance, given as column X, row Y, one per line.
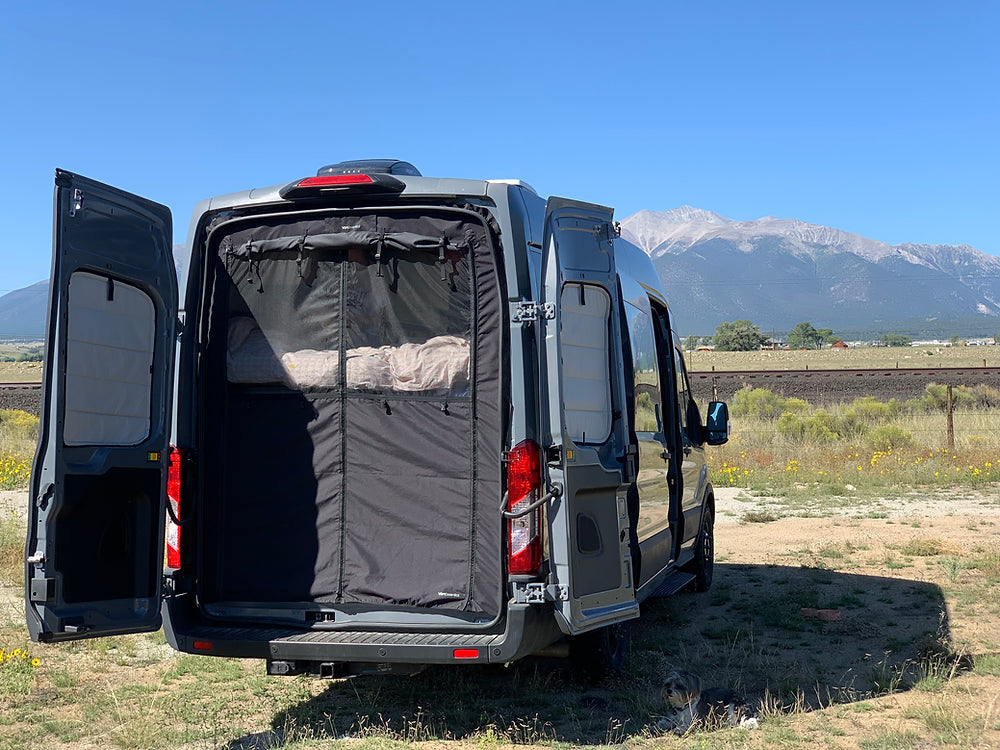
column 673, row 583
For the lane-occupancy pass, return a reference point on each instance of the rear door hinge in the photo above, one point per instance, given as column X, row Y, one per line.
column 526, row 313
column 539, row 593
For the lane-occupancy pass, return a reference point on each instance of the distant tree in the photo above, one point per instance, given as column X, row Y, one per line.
column 896, row 339
column 738, row 336
column 805, row 336
column 996, row 338
column 691, row 343
column 955, row 340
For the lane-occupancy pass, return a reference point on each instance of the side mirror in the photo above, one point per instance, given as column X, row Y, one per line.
column 717, row 423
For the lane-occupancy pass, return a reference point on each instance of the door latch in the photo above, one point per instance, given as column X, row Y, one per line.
column 77, row 203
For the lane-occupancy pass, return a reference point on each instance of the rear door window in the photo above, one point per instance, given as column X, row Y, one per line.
column 585, row 362
column 109, row 360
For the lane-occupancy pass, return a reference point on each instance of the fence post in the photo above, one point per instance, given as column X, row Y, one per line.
column 951, row 423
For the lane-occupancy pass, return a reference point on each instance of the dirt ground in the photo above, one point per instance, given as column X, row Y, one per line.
column 851, row 625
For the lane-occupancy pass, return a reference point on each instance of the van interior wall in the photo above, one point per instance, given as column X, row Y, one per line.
column 351, row 451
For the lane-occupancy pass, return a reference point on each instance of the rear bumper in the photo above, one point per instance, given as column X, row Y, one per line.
column 526, row 629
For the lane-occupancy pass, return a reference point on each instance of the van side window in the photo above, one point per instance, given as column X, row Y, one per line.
column 586, row 362
column 648, row 404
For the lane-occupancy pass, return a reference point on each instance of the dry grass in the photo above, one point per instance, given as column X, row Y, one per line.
column 858, row 358
column 20, row 372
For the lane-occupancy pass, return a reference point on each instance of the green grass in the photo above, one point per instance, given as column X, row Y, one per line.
column 18, row 435
column 18, row 666
column 858, row 448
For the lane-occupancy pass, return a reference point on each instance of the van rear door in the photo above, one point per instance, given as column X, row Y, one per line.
column 590, row 561
column 95, row 527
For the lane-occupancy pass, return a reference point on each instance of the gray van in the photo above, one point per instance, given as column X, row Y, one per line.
column 389, row 421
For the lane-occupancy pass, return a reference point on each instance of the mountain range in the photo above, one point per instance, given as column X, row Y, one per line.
column 773, row 272
column 779, row 272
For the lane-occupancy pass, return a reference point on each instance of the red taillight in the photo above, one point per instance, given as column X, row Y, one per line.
column 524, row 482
column 466, row 653
column 174, row 498
column 335, row 179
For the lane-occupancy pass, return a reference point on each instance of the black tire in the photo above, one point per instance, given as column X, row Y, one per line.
column 601, row 653
column 703, row 565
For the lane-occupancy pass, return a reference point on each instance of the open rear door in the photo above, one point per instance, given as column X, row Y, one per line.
column 590, row 560
column 95, row 527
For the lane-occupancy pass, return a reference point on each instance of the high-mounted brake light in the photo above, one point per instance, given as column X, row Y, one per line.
column 524, row 482
column 174, row 512
column 335, row 179
column 337, row 184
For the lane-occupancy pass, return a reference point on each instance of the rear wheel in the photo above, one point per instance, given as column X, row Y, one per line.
column 596, row 655
column 703, row 565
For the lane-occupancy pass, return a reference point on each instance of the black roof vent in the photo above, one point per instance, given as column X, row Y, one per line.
column 370, row 166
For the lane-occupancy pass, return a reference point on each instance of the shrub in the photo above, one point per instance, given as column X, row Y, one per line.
column 796, row 405
column 851, row 423
column 791, row 426
column 935, row 397
column 818, row 426
column 886, row 437
column 872, row 409
column 985, row 396
column 17, row 420
column 758, row 402
column 822, row 427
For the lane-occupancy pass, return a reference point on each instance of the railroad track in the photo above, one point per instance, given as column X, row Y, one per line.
column 822, row 387
column 842, row 373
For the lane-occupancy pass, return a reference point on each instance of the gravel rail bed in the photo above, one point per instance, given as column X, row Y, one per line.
column 28, row 398
column 827, row 387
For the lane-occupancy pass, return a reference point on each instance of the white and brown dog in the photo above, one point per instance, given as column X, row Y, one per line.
column 689, row 706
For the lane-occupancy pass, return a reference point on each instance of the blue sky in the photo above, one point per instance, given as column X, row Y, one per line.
column 881, row 118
